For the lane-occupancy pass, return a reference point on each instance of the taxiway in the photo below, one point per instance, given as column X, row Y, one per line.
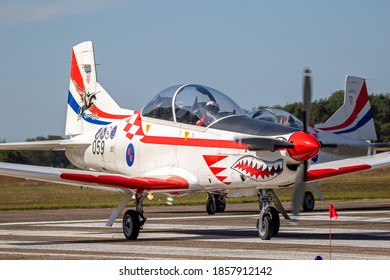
column 362, row 231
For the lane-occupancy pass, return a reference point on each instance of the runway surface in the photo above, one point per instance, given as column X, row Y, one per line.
column 362, row 231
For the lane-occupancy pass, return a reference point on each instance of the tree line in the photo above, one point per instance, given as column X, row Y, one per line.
column 321, row 111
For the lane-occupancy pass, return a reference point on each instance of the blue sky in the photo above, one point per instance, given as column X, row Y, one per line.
column 253, row 50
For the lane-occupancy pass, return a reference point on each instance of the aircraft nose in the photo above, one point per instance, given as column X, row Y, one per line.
column 306, row 146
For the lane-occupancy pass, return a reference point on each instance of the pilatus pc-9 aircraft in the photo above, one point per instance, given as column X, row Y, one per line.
column 190, row 138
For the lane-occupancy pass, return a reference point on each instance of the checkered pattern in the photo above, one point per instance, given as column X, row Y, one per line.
column 133, row 126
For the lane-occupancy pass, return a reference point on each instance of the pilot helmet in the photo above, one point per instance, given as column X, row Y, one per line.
column 212, row 106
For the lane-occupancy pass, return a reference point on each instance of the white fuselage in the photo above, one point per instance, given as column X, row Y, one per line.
column 207, row 158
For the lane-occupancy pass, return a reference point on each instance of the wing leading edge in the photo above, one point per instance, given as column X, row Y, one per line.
column 98, row 180
column 346, row 166
column 49, row 145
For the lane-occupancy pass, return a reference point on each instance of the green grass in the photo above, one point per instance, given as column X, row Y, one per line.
column 20, row 194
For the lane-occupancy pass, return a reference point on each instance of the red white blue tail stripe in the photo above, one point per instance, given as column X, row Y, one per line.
column 354, row 118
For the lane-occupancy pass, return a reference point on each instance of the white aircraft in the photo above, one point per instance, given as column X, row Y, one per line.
column 188, row 138
column 353, row 120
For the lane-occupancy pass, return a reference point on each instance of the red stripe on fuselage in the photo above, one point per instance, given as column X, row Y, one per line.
column 193, row 142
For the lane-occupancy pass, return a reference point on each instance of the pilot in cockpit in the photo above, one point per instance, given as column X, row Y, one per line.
column 209, row 113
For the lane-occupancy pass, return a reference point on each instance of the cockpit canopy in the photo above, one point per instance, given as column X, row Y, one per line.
column 276, row 116
column 191, row 104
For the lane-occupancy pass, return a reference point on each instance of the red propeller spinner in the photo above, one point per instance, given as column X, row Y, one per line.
column 306, row 146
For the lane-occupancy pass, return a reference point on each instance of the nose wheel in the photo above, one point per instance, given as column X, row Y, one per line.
column 265, row 228
column 268, row 223
column 133, row 220
column 131, row 224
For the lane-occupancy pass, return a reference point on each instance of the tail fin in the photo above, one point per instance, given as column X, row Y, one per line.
column 89, row 105
column 353, row 119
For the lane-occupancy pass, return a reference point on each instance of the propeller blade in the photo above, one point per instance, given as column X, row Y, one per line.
column 311, row 146
column 306, row 98
column 278, row 205
column 305, row 168
column 315, row 190
column 264, row 144
column 299, row 189
column 357, row 144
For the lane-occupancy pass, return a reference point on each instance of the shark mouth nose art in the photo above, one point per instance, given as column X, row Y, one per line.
column 257, row 169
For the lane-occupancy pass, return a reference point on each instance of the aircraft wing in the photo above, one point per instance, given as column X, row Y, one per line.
column 98, row 180
column 345, row 166
column 49, row 145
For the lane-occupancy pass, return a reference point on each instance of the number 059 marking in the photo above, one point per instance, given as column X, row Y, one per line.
column 98, row 147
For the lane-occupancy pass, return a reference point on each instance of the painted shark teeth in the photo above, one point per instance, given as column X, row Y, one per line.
column 257, row 169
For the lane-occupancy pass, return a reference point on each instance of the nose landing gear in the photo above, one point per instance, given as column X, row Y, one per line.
column 133, row 220
column 268, row 223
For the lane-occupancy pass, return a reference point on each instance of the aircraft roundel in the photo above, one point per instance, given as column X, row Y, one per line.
column 130, row 155
column 113, row 131
column 98, row 133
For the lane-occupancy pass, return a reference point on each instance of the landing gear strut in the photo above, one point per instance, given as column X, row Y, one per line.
column 269, row 222
column 215, row 203
column 133, row 220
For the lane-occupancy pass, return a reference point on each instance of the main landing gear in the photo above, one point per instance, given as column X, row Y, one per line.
column 269, row 222
column 308, row 202
column 215, row 203
column 133, row 220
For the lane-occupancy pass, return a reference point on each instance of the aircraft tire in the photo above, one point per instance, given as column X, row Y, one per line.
column 265, row 228
column 211, row 205
column 308, row 202
column 275, row 220
column 220, row 200
column 131, row 224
